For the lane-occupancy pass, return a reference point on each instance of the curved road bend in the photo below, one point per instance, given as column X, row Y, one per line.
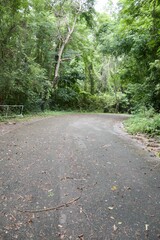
column 103, row 186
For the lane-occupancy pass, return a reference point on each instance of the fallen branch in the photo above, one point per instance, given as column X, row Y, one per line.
column 52, row 208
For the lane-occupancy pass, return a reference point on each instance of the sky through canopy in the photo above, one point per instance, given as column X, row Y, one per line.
column 100, row 4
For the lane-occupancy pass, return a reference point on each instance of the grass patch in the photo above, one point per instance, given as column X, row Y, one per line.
column 29, row 116
column 33, row 115
column 144, row 123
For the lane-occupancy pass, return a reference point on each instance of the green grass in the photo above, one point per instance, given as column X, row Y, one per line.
column 29, row 116
column 34, row 115
column 144, row 123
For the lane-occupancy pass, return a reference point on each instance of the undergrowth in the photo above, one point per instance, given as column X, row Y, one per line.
column 144, row 121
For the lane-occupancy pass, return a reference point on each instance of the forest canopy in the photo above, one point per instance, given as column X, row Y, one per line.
column 64, row 55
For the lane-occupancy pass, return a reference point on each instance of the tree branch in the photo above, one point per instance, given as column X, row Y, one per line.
column 52, row 208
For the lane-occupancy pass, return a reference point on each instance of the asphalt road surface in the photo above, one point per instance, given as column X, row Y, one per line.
column 77, row 177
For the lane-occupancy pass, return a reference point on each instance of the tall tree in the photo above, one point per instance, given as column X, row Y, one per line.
column 68, row 13
column 133, row 37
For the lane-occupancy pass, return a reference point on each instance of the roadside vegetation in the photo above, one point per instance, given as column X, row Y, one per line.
column 145, row 126
column 29, row 116
column 146, row 121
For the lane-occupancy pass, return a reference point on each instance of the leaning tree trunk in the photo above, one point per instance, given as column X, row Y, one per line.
column 60, row 53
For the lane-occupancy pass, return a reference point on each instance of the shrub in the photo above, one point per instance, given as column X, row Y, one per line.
column 145, row 122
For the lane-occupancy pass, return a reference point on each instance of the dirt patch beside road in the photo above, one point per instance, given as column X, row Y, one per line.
column 147, row 143
column 150, row 144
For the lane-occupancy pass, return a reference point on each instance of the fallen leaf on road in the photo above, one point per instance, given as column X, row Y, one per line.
column 50, row 194
column 110, row 208
column 61, row 235
column 29, row 198
column 146, row 227
column 115, row 228
column 106, row 146
column 81, row 237
column 119, row 223
column 50, row 190
column 114, row 188
column 30, row 221
column 65, row 178
column 127, row 188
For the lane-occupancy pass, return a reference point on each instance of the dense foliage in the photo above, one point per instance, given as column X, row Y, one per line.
column 64, row 55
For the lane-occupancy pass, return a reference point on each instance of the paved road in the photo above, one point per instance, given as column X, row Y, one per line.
column 103, row 186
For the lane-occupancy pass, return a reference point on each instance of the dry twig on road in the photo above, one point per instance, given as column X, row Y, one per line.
column 52, row 208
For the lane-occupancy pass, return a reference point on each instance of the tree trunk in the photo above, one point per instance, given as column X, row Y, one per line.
column 91, row 78
column 60, row 53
